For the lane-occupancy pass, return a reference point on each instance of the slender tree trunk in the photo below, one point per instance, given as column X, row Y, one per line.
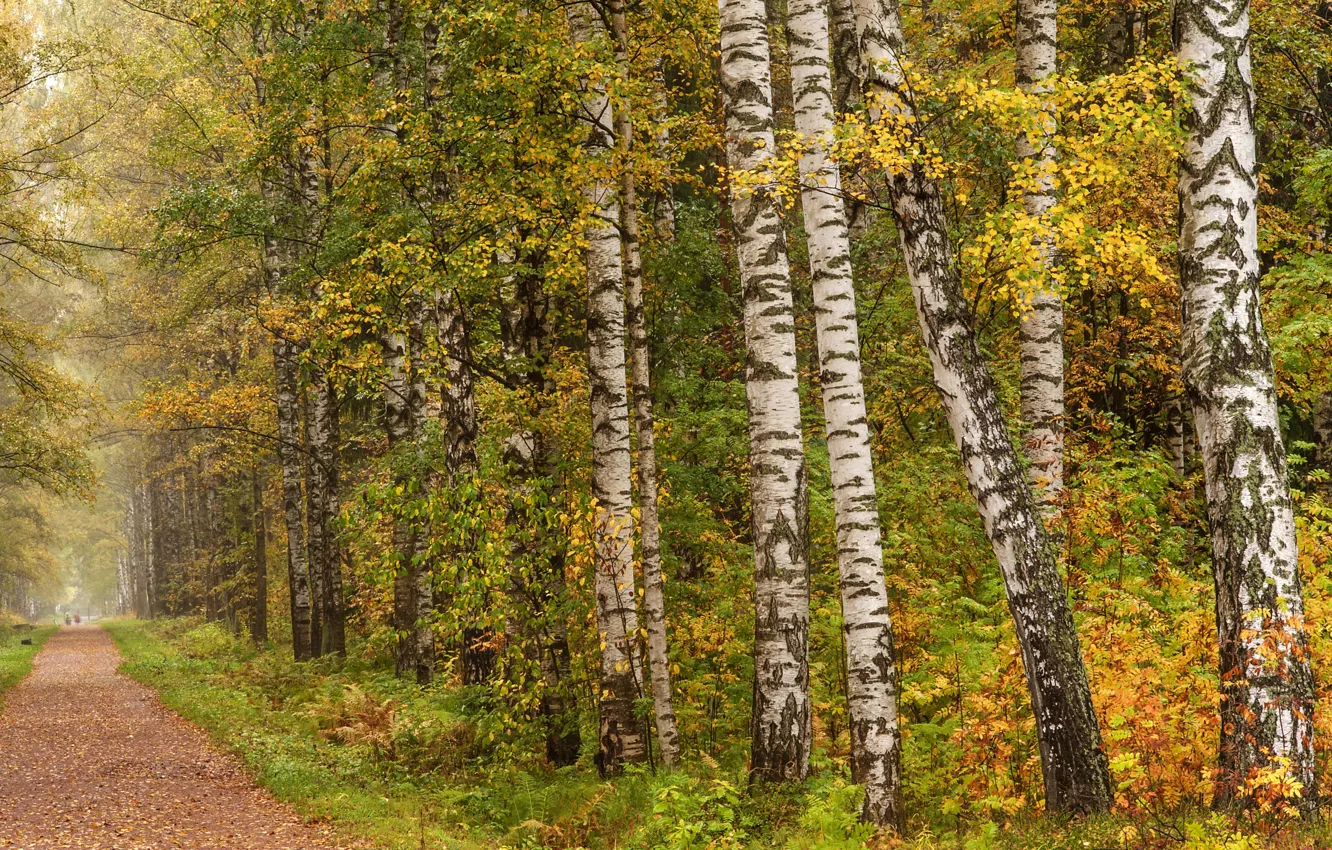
column 1267, row 695
column 654, row 602
column 259, row 618
column 325, row 560
column 122, row 585
column 289, row 457
column 621, row 736
column 781, row 723
column 407, row 583
column 404, row 399
column 847, row 86
column 1076, row 773
column 458, row 422
column 871, row 674
column 457, row 414
column 663, row 203
column 423, row 575
column 1042, row 320
column 538, row 557
column 1175, row 445
column 139, row 551
column 314, row 529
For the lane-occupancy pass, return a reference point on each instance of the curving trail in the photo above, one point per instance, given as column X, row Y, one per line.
column 89, row 759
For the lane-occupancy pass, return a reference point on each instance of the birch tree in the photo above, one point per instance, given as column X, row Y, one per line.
column 1267, row 683
column 781, row 723
column 1075, row 769
column 871, row 674
column 621, row 737
column 322, row 485
column 1042, row 322
column 533, row 457
column 654, row 601
column 259, row 616
column 287, row 375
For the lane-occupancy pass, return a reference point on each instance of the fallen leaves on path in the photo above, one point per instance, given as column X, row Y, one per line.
column 89, row 759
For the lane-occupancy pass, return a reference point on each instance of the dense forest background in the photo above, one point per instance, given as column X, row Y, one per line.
column 522, row 395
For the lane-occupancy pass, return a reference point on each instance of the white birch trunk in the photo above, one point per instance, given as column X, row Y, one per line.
column 289, row 458
column 871, row 673
column 654, row 599
column 621, row 737
column 664, row 202
column 1267, row 694
column 1042, row 321
column 1075, row 769
column 781, row 723
column 398, row 425
column 325, row 560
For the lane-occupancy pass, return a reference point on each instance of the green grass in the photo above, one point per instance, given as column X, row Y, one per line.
column 266, row 710
column 282, row 749
column 16, row 657
column 405, row 770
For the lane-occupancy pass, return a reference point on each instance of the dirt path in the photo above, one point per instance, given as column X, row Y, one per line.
column 89, row 759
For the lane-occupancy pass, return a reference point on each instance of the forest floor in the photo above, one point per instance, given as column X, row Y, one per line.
column 390, row 765
column 90, row 759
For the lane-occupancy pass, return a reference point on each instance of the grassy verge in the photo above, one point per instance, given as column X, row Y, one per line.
column 397, row 767
column 394, row 766
column 222, row 689
column 16, row 656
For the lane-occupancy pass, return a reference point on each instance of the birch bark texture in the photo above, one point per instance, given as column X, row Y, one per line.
column 621, row 735
column 1076, row 774
column 325, row 556
column 287, row 375
column 871, row 673
column 1267, row 681
column 654, row 598
column 781, row 724
column 1042, row 320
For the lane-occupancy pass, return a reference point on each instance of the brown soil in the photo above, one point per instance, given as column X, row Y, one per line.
column 90, row 759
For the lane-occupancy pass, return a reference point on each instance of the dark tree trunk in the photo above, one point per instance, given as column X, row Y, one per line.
column 289, row 457
column 259, row 617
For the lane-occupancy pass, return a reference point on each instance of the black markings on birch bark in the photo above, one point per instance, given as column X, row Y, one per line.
column 870, row 663
column 398, row 425
column 621, row 737
column 1075, row 768
column 1042, row 320
column 847, row 86
column 781, row 728
column 322, row 495
column 654, row 602
column 1267, row 681
column 289, row 458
